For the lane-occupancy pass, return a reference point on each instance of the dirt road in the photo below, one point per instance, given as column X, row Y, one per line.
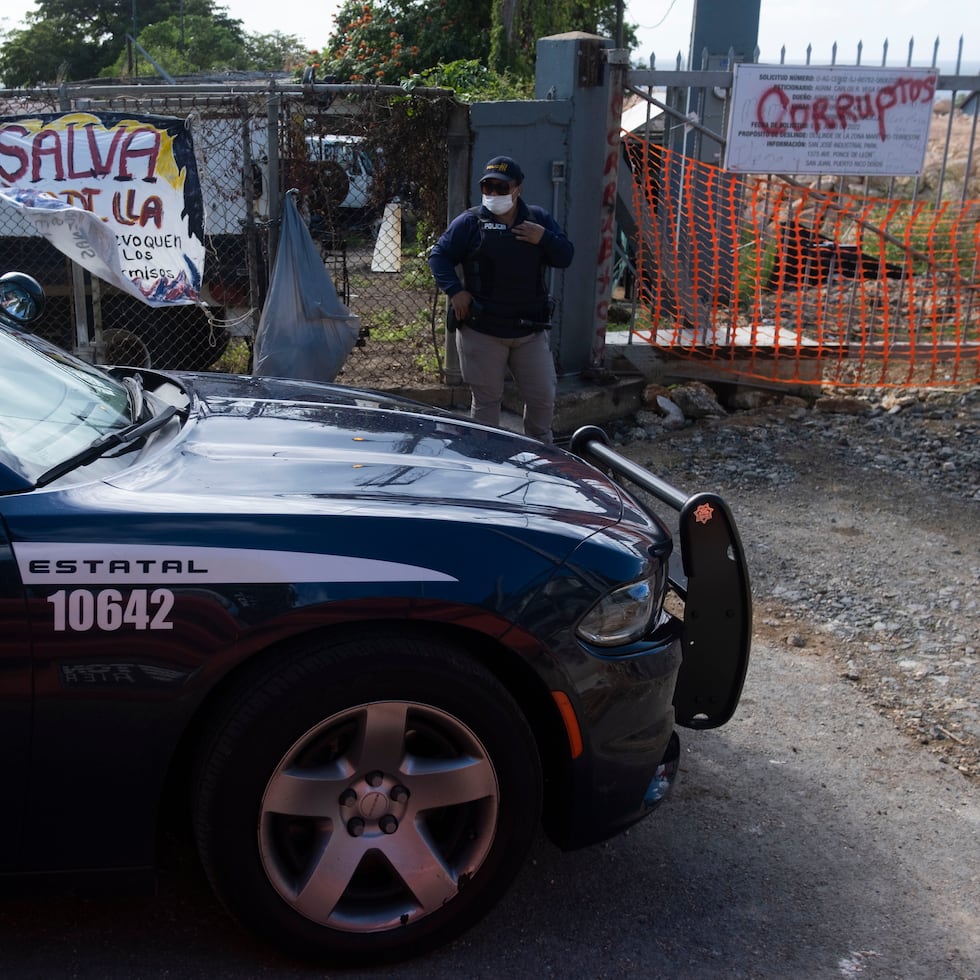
column 808, row 839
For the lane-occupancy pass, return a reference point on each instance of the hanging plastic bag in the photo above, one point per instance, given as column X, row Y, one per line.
column 305, row 331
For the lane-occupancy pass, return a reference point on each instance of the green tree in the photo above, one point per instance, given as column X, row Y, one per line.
column 275, row 51
column 472, row 82
column 517, row 25
column 81, row 39
column 386, row 40
column 195, row 43
column 383, row 42
column 74, row 39
column 47, row 51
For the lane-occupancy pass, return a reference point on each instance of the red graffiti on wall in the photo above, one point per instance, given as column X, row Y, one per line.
column 607, row 225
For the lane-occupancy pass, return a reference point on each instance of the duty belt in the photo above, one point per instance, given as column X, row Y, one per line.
column 488, row 322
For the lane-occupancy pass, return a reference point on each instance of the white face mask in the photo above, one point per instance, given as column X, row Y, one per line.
column 498, row 203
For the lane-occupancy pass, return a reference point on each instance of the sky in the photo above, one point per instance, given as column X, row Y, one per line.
column 665, row 27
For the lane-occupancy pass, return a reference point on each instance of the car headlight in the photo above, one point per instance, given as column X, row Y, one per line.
column 623, row 615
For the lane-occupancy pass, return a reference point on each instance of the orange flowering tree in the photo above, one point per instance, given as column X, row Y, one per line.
column 385, row 42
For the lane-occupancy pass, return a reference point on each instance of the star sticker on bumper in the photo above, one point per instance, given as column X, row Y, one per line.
column 704, row 513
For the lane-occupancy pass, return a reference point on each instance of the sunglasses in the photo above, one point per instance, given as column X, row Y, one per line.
column 494, row 187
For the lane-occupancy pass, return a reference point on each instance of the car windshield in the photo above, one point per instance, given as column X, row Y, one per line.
column 343, row 150
column 53, row 405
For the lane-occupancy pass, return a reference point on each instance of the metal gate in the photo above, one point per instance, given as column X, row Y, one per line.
column 862, row 281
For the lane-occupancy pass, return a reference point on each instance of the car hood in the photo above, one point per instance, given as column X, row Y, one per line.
column 266, row 438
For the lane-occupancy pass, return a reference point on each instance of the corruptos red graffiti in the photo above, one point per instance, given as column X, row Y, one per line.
column 777, row 112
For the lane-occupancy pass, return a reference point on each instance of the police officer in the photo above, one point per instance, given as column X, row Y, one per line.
column 501, row 307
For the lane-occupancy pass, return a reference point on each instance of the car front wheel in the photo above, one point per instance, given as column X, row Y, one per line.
column 363, row 801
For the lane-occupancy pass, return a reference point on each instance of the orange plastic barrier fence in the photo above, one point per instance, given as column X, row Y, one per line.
column 773, row 280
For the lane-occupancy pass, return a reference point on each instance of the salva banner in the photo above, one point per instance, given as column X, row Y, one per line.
column 117, row 193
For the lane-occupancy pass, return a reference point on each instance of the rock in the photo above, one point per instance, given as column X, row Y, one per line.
column 841, row 405
column 753, row 398
column 670, row 409
column 652, row 392
column 648, row 419
column 696, row 400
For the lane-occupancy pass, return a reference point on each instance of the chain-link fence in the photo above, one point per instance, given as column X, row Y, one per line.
column 371, row 171
column 370, row 166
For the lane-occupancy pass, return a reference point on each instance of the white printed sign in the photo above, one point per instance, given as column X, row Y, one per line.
column 829, row 120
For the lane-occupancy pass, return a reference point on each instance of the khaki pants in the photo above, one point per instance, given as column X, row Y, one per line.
column 484, row 361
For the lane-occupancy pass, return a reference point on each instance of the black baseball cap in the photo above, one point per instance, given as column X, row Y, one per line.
column 503, row 168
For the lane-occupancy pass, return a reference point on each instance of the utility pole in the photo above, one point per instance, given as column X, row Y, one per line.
column 133, row 57
column 722, row 32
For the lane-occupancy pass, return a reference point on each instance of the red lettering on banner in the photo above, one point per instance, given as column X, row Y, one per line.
column 95, row 165
column 55, row 154
column 150, row 211
column 13, row 150
column 83, row 198
column 132, row 152
column 40, row 150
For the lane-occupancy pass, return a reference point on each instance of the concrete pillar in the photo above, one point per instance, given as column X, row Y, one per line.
column 573, row 68
column 567, row 141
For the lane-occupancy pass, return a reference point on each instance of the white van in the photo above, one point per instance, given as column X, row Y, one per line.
column 349, row 156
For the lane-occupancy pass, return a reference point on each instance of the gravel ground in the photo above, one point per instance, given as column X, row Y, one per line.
column 860, row 517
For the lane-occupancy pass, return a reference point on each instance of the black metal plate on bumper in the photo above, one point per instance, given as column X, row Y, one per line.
column 717, row 614
column 715, row 588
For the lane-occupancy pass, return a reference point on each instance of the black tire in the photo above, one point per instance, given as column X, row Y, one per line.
column 123, row 347
column 330, row 186
column 367, row 800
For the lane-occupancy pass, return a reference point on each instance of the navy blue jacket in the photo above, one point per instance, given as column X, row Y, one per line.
column 505, row 275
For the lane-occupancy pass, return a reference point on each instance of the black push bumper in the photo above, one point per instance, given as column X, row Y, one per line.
column 714, row 586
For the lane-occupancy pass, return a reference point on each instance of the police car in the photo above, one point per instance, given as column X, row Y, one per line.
column 370, row 647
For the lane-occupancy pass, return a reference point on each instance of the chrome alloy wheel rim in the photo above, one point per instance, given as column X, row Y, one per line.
column 378, row 816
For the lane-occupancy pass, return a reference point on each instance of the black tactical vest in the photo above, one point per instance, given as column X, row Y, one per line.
column 506, row 276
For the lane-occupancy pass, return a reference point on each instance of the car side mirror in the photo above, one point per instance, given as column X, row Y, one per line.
column 21, row 299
